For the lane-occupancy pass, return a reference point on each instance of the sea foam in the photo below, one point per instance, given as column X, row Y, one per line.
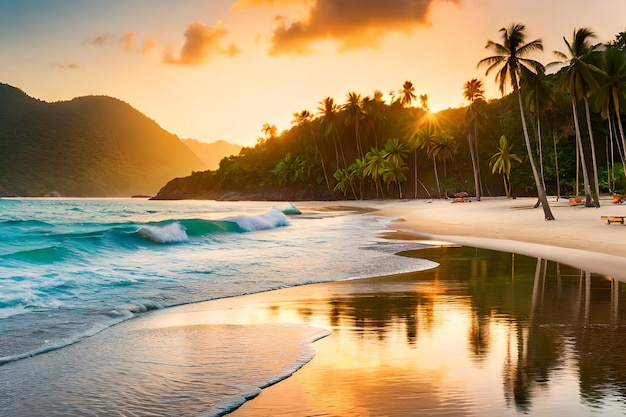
column 170, row 233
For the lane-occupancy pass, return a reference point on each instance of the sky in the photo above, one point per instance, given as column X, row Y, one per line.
column 220, row 69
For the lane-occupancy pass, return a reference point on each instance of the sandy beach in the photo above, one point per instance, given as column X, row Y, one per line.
column 352, row 377
column 577, row 237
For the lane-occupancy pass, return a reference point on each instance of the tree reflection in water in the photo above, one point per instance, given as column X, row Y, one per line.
column 558, row 320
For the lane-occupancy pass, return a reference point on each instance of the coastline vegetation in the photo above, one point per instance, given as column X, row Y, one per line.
column 570, row 120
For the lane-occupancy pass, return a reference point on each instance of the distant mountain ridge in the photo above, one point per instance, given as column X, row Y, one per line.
column 93, row 146
column 212, row 153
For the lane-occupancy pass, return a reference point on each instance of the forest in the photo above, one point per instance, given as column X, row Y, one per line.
column 92, row 146
column 557, row 130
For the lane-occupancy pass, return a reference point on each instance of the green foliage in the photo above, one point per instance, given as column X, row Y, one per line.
column 89, row 146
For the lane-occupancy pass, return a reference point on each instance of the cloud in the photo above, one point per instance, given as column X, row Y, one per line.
column 353, row 23
column 245, row 4
column 100, row 40
column 147, row 46
column 201, row 41
column 128, row 40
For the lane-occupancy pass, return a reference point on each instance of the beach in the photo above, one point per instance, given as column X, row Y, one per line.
column 521, row 316
column 341, row 381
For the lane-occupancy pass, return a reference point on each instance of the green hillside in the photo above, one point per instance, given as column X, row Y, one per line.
column 89, row 146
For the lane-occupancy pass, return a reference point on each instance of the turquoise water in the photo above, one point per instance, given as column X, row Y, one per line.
column 70, row 268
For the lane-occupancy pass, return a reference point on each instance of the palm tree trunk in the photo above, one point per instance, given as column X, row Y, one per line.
column 507, row 188
column 556, row 166
column 579, row 143
column 473, row 157
column 476, row 154
column 437, row 176
column 621, row 131
column 415, row 172
column 540, row 151
column 540, row 190
column 596, row 190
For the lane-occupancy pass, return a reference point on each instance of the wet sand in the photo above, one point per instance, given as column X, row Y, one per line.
column 358, row 376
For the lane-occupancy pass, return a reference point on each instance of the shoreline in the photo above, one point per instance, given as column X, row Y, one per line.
column 580, row 247
column 578, row 237
column 368, row 307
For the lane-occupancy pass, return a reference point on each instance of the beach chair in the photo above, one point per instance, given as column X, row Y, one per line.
column 613, row 219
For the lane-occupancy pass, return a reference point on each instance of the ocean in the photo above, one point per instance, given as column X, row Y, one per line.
column 72, row 268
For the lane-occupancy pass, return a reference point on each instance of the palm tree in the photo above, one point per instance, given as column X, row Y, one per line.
column 473, row 92
column 354, row 112
column 373, row 113
column 375, row 166
column 538, row 95
column 287, row 169
column 424, row 102
column 395, row 155
column 578, row 76
column 611, row 96
column 269, row 130
column 407, row 94
column 304, row 118
column 508, row 60
column 500, row 162
column 329, row 121
column 441, row 147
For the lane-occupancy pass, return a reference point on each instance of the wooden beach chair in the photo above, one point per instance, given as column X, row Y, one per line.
column 613, row 219
column 575, row 201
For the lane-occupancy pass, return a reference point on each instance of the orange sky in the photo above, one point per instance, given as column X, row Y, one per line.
column 220, row 69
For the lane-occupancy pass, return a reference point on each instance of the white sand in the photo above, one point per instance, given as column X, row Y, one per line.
column 577, row 237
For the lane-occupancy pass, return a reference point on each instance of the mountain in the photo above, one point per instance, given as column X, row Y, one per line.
column 212, row 153
column 94, row 146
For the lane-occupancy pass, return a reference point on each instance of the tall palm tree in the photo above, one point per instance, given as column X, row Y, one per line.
column 354, row 110
column 375, row 166
column 441, row 147
column 473, row 92
column 500, row 162
column 304, row 118
column 538, row 95
column 424, row 102
column 407, row 94
column 395, row 154
column 373, row 113
column 578, row 76
column 269, row 130
column 611, row 95
column 329, row 121
column 508, row 60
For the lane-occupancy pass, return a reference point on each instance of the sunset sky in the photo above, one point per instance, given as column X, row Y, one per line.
column 220, row 69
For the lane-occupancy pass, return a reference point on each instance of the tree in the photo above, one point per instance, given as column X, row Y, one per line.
column 329, row 121
column 441, row 147
column 508, row 60
column 373, row 113
column 269, row 130
column 538, row 95
column 407, row 94
column 354, row 111
column 375, row 166
column 474, row 93
column 287, row 170
column 304, row 118
column 500, row 162
column 578, row 76
column 424, row 102
column 395, row 154
column 610, row 97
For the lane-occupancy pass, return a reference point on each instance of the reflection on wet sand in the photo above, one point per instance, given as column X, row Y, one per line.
column 487, row 334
